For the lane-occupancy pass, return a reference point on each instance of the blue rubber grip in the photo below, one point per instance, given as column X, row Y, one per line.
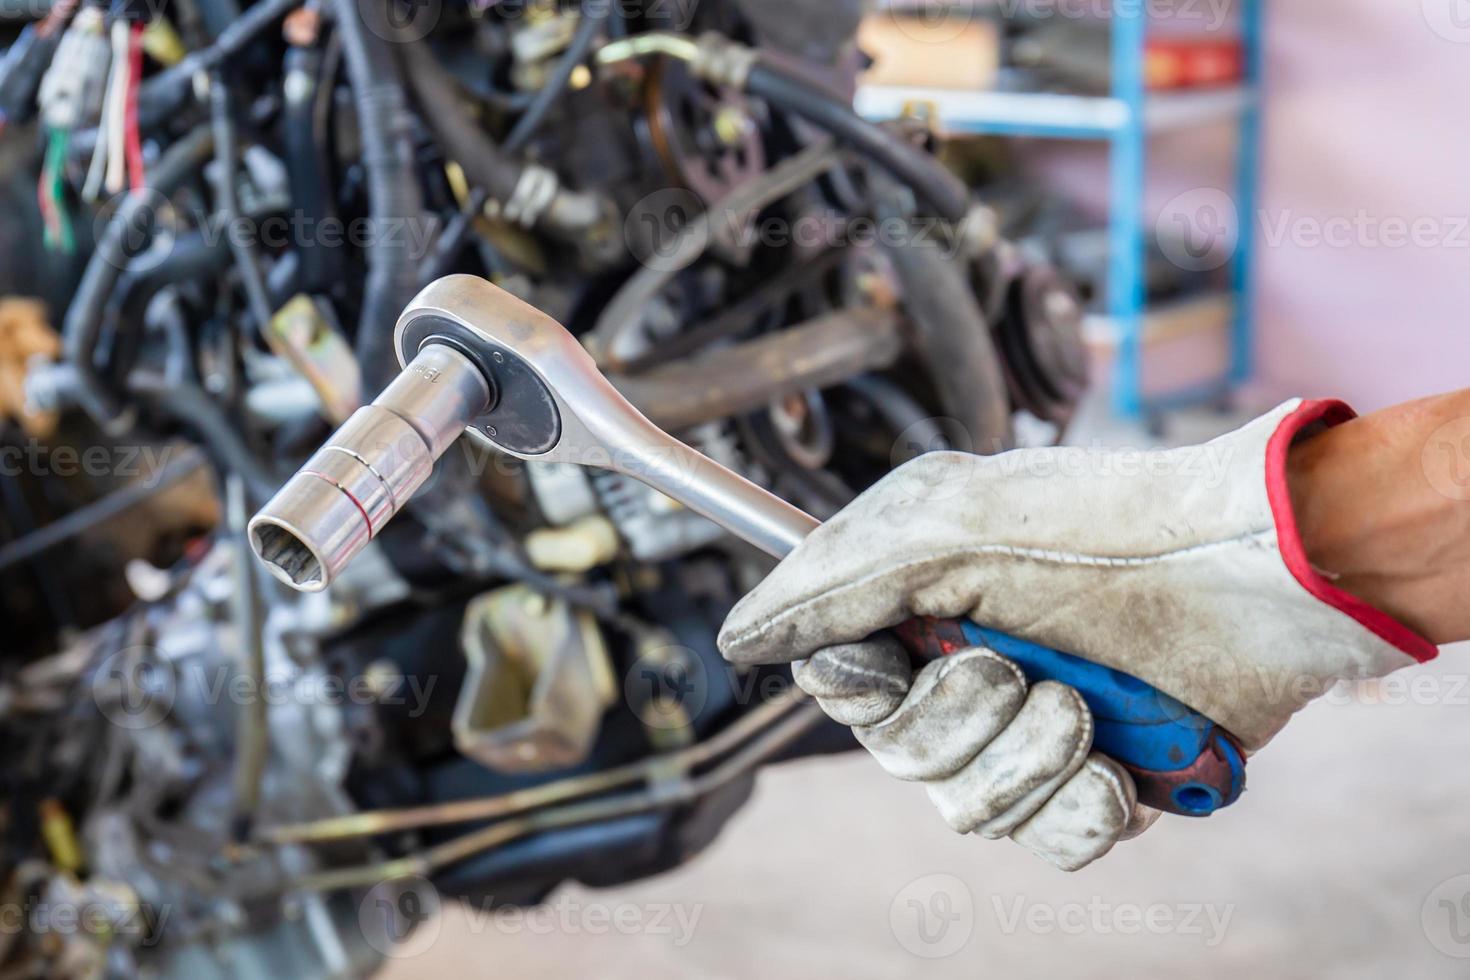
column 1191, row 765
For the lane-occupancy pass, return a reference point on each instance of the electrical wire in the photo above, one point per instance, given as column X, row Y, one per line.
column 226, row 155
column 115, row 112
column 44, row 201
column 133, row 144
column 50, row 194
column 97, row 169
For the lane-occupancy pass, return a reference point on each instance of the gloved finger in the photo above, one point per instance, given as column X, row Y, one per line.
column 957, row 706
column 1142, row 818
column 856, row 683
column 1084, row 819
column 877, row 562
column 1015, row 774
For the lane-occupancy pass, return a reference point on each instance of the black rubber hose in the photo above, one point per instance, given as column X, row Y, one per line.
column 951, row 336
column 395, row 201
column 306, row 168
column 193, row 409
column 594, row 13
column 193, row 256
column 242, row 245
column 941, row 190
column 464, row 140
column 127, row 234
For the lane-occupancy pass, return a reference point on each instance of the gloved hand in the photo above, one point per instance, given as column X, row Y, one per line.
column 1181, row 567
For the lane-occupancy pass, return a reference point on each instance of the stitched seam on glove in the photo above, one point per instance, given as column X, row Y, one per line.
column 1013, row 551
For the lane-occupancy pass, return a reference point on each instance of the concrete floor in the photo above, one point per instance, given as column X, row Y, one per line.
column 1334, row 864
column 1344, row 860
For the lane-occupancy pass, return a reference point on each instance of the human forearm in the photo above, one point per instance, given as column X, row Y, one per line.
column 1383, row 507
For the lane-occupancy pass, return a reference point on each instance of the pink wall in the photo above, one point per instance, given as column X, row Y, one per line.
column 1366, row 139
column 1366, row 109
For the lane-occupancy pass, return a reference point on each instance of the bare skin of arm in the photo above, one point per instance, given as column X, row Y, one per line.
column 1383, row 506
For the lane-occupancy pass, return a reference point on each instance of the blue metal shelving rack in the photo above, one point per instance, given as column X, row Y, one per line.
column 1125, row 119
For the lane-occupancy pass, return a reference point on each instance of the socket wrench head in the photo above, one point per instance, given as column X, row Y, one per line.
column 350, row 488
column 553, row 404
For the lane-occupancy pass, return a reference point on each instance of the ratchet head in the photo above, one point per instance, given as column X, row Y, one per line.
column 551, row 403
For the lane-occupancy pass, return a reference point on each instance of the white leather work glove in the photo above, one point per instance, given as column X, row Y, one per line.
column 1181, row 567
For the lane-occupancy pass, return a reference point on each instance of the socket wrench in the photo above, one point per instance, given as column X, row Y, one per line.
column 547, row 401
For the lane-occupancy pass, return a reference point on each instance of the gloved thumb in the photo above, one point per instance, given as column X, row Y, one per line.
column 856, row 683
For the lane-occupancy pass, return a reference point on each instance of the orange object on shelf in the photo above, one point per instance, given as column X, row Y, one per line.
column 1175, row 64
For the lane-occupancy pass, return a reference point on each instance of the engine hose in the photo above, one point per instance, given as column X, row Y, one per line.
column 941, row 190
column 623, row 313
column 592, row 17
column 192, row 408
column 126, row 235
column 951, row 336
column 394, row 197
column 464, row 141
column 306, row 165
column 193, row 256
column 568, row 216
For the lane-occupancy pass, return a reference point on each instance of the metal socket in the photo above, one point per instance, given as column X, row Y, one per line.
column 351, row 487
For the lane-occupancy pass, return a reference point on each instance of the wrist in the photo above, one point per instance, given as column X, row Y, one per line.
column 1373, row 523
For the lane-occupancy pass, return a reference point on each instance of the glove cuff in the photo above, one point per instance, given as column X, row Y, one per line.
column 1304, row 421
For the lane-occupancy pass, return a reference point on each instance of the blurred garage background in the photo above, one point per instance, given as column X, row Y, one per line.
column 1254, row 200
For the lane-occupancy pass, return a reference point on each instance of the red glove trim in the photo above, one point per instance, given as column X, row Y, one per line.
column 1330, row 412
